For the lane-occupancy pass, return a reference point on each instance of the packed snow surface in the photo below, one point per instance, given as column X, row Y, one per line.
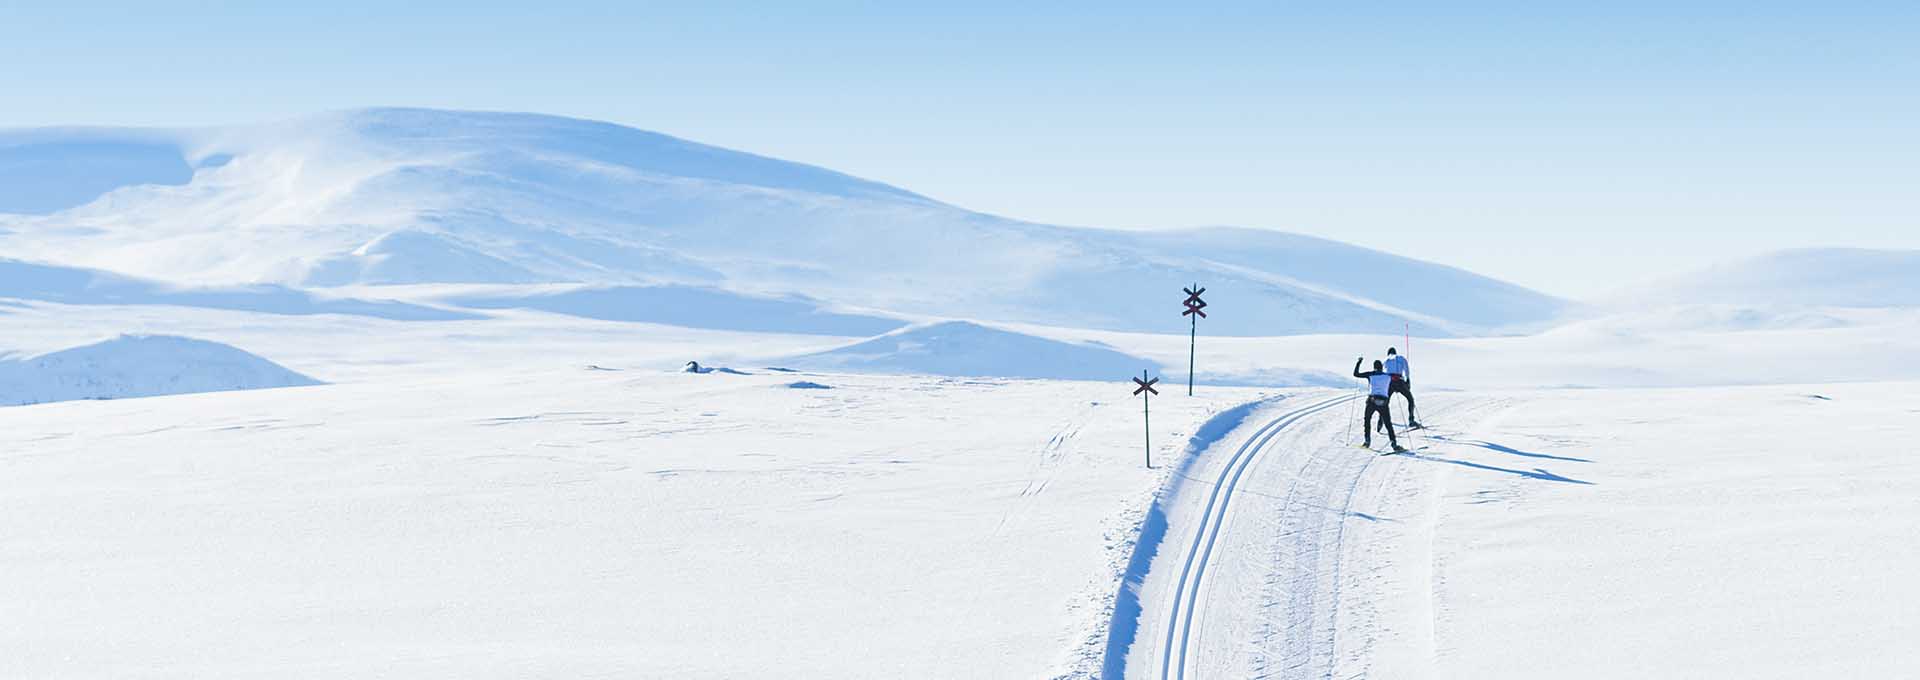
column 1754, row 532
column 138, row 366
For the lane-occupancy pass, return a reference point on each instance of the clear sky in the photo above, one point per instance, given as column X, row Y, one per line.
column 1571, row 147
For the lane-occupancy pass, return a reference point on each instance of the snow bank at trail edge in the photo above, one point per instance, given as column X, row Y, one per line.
column 1100, row 646
column 139, row 366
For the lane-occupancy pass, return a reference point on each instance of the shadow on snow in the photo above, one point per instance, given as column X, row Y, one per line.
column 1536, row 473
column 1490, row 446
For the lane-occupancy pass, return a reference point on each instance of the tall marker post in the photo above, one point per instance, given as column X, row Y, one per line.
column 1194, row 305
column 1146, row 417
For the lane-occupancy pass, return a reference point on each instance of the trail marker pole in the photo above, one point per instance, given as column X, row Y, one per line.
column 1194, row 305
column 1145, row 390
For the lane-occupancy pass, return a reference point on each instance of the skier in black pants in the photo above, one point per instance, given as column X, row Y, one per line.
column 1402, row 384
column 1378, row 383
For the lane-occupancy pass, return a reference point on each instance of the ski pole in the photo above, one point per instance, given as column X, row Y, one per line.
column 1348, row 440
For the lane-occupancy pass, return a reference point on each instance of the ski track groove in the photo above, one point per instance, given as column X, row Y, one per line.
column 1187, row 588
column 1296, row 631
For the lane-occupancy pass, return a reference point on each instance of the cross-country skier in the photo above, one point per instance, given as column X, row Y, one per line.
column 1378, row 383
column 1402, row 384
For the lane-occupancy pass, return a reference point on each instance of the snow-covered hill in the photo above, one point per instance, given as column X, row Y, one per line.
column 1785, row 290
column 960, row 348
column 139, row 366
column 1811, row 277
column 396, row 196
column 686, row 306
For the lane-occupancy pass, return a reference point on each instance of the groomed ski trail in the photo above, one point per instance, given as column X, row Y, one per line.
column 1174, row 655
column 1248, row 583
column 1129, row 638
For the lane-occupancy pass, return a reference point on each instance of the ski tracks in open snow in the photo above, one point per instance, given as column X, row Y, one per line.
column 1248, row 582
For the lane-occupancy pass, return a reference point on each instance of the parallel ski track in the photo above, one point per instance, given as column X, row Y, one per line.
column 1187, row 589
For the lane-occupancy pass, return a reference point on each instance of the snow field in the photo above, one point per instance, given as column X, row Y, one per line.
column 578, row 523
column 1758, row 532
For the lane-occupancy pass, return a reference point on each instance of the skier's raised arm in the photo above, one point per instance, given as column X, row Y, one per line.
column 1356, row 367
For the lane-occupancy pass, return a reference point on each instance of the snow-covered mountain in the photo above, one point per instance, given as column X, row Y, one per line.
column 398, row 196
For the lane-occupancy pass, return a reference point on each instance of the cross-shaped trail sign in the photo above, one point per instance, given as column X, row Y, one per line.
column 1194, row 315
column 1194, row 303
column 1145, row 390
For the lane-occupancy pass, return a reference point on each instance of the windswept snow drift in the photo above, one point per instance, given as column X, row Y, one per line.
column 139, row 366
column 960, row 348
column 420, row 196
column 413, row 257
column 76, row 286
column 688, row 306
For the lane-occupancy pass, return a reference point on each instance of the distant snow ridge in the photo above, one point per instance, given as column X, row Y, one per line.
column 393, row 196
column 1821, row 277
column 1712, row 318
column 1805, row 289
column 960, row 348
column 139, row 366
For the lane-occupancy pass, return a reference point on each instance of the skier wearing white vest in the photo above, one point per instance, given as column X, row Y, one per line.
column 1378, row 384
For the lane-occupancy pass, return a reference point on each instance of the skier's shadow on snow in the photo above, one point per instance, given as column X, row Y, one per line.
column 1536, row 473
column 1490, row 446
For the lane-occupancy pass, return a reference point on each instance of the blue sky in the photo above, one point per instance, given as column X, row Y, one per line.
column 1572, row 149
